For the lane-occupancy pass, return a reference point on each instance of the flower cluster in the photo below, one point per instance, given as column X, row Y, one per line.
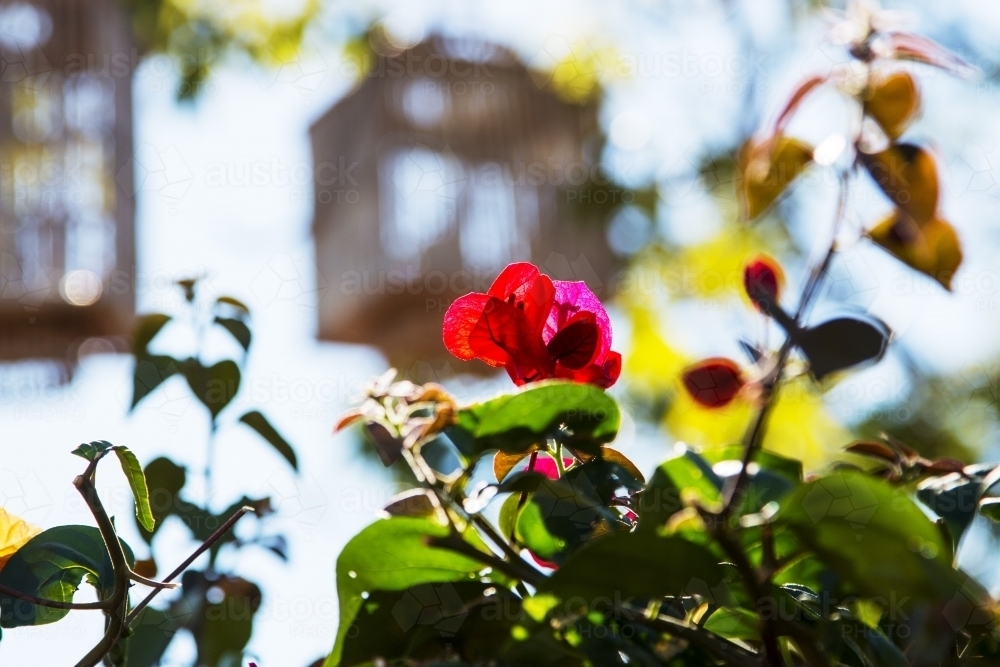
column 536, row 328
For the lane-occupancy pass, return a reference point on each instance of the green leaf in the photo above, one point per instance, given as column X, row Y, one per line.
column 733, row 623
column 137, row 481
column 507, row 522
column 531, row 530
column 93, row 450
column 52, row 565
column 259, row 423
column 152, row 632
column 164, row 479
column 472, row 619
column 879, row 543
column 222, row 628
column 688, row 473
column 644, row 566
column 150, row 372
column 147, row 327
column 990, row 507
column 215, row 386
column 237, row 328
column 393, row 555
column 514, row 422
column 563, row 513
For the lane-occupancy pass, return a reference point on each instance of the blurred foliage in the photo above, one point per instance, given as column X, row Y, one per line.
column 197, row 34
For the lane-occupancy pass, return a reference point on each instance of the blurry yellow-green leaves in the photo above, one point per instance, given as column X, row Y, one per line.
column 931, row 248
column 892, row 101
column 768, row 167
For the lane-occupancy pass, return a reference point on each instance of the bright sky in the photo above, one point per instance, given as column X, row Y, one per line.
column 199, row 211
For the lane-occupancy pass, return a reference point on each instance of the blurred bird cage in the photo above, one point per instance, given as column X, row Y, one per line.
column 448, row 161
column 66, row 207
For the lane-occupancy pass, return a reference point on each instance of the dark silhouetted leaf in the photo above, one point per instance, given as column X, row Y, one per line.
column 146, row 329
column 150, row 372
column 388, row 447
column 235, row 303
column 237, row 328
column 259, row 423
column 215, row 386
column 164, row 479
column 841, row 343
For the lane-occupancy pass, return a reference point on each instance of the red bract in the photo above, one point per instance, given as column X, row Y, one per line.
column 762, row 279
column 713, row 383
column 535, row 328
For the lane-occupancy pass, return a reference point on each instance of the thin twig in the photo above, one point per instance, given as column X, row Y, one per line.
column 54, row 604
column 152, row 583
column 205, row 546
column 719, row 647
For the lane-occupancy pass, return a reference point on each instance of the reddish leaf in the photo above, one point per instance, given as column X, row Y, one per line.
column 713, row 383
column 762, row 280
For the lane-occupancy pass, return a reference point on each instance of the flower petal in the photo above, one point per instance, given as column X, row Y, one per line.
column 466, row 333
column 570, row 299
column 575, row 344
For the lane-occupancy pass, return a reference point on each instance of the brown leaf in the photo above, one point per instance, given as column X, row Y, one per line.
column 932, row 248
column 349, row 418
column 503, row 463
column 893, row 100
column 875, row 450
column 768, row 168
column 614, row 456
column 906, row 173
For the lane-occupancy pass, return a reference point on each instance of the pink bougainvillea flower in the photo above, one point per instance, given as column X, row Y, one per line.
column 535, row 328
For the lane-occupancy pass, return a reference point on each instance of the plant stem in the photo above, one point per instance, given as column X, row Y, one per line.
column 205, row 546
column 118, row 600
column 730, row 653
column 754, row 436
column 53, row 604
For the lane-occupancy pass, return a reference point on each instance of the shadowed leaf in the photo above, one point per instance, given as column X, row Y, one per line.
column 259, row 423
column 841, row 343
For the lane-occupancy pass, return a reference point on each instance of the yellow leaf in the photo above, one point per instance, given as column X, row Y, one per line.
column 768, row 167
column 893, row 101
column 14, row 533
column 652, row 364
column 799, row 425
column 908, row 176
column 932, row 248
